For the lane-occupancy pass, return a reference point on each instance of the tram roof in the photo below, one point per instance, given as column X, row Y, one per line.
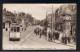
column 14, row 24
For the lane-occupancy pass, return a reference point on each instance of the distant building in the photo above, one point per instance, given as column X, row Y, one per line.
column 7, row 18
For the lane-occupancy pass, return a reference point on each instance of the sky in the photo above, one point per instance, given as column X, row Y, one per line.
column 38, row 11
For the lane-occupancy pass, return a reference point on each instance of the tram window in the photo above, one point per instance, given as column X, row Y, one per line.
column 14, row 29
column 18, row 29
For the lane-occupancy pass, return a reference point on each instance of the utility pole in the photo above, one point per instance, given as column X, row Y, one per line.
column 46, row 20
column 46, row 24
column 53, row 22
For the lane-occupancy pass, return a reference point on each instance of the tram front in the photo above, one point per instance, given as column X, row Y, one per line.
column 14, row 32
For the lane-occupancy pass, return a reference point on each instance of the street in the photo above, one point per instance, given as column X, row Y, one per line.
column 29, row 41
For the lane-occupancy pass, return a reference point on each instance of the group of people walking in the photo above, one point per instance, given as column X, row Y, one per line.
column 51, row 36
column 47, row 33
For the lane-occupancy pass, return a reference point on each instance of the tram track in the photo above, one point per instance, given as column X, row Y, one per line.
column 27, row 35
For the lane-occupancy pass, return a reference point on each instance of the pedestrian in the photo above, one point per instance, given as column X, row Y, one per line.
column 6, row 29
column 67, row 36
column 54, row 36
column 40, row 33
column 35, row 31
column 58, row 35
column 38, row 30
column 49, row 34
column 64, row 38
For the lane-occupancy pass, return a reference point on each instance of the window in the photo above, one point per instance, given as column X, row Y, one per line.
column 14, row 29
column 18, row 29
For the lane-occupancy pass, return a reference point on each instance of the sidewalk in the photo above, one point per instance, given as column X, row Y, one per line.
column 69, row 44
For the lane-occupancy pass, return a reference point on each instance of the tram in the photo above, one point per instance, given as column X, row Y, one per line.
column 15, row 33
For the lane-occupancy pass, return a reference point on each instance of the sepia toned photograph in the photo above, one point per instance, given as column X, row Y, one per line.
column 39, row 26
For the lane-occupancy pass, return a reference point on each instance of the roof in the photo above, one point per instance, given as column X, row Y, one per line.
column 14, row 24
